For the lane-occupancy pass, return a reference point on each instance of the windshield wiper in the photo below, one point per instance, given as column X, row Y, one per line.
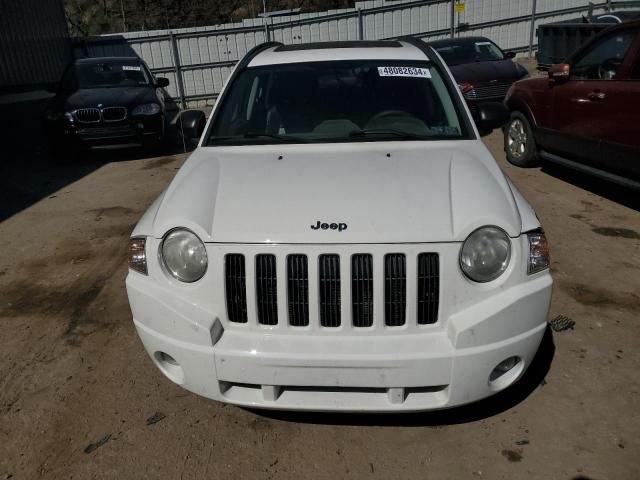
column 252, row 135
column 387, row 131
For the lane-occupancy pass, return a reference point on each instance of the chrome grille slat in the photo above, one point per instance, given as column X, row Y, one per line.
column 329, row 278
column 298, row 290
column 428, row 288
column 488, row 91
column 395, row 289
column 236, row 289
column 362, row 290
column 266, row 289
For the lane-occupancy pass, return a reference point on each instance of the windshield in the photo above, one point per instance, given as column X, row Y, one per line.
column 470, row 52
column 337, row 101
column 111, row 74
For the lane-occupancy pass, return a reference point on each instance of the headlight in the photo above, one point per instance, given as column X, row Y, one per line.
column 539, row 258
column 485, row 254
column 184, row 255
column 137, row 256
column 146, row 109
column 56, row 116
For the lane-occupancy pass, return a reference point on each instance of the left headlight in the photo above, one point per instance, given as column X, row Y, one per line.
column 184, row 255
column 485, row 254
column 137, row 255
column 146, row 109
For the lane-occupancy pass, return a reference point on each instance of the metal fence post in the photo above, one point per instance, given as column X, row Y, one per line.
column 360, row 25
column 267, row 31
column 533, row 28
column 178, row 70
column 453, row 18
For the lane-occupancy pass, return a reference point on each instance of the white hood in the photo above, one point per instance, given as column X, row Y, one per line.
column 395, row 192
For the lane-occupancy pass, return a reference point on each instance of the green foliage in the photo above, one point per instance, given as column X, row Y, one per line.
column 95, row 17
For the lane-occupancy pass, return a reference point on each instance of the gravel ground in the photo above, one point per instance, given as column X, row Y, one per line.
column 79, row 398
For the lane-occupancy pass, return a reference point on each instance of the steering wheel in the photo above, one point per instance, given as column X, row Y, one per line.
column 607, row 70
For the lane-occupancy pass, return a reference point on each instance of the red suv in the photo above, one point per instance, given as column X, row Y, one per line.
column 586, row 115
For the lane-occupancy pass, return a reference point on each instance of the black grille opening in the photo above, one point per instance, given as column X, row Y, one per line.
column 236, row 288
column 428, row 288
column 395, row 289
column 329, row 275
column 266, row 289
column 362, row 290
column 298, row 290
column 114, row 114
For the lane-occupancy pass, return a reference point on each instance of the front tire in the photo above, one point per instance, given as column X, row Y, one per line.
column 519, row 143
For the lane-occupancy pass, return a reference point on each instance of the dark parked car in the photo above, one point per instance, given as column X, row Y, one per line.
column 585, row 115
column 107, row 102
column 483, row 71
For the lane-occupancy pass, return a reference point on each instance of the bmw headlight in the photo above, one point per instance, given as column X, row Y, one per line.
column 485, row 254
column 184, row 255
column 57, row 116
column 146, row 109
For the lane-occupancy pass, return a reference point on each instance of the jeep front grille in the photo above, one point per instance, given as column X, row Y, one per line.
column 362, row 290
column 395, row 289
column 266, row 289
column 359, row 290
column 298, row 290
column 236, row 288
column 428, row 288
column 329, row 278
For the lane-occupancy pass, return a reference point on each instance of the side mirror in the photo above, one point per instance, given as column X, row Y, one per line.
column 190, row 125
column 162, row 82
column 510, row 55
column 489, row 116
column 559, row 72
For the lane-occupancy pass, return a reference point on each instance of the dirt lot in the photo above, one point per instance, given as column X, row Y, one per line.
column 79, row 398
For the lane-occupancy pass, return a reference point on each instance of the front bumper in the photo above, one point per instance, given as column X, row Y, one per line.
column 134, row 131
column 437, row 367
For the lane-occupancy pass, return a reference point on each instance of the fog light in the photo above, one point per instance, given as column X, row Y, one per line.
column 503, row 367
column 165, row 357
column 169, row 366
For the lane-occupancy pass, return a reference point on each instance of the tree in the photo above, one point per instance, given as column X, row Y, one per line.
column 95, row 17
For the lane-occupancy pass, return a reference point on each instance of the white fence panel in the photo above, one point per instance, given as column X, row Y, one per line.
column 198, row 60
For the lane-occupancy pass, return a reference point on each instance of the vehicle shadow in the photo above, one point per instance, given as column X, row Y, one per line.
column 505, row 400
column 28, row 172
column 608, row 190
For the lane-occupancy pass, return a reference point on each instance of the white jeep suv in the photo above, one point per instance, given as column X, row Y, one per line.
column 341, row 239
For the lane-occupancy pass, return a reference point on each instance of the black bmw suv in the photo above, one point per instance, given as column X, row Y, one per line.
column 106, row 102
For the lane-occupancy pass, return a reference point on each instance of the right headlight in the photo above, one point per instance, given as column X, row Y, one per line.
column 184, row 255
column 146, row 109
column 485, row 254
